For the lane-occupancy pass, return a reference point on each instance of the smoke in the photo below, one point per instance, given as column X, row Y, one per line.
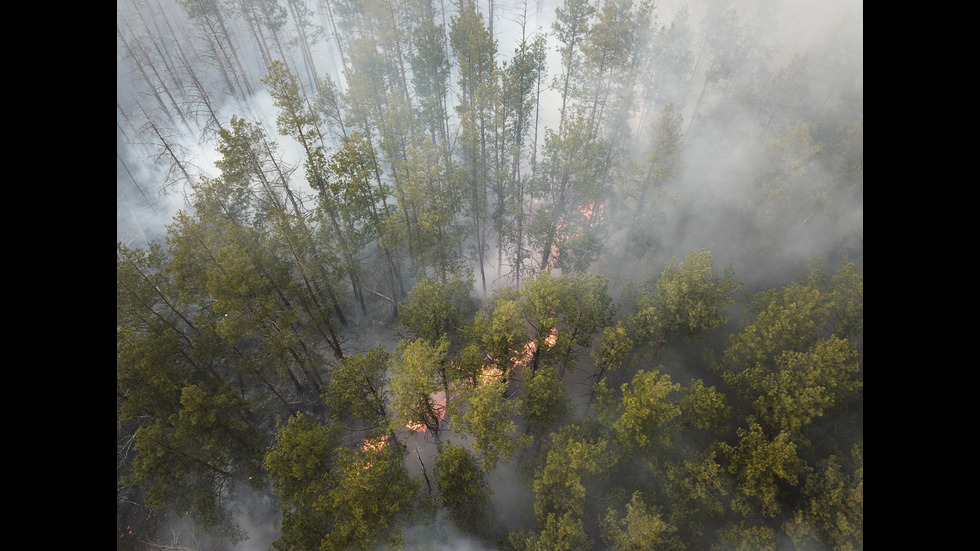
column 738, row 153
column 441, row 536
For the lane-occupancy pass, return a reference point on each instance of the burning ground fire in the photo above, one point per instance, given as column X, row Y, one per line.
column 490, row 374
column 593, row 215
column 438, row 406
column 531, row 347
column 374, row 445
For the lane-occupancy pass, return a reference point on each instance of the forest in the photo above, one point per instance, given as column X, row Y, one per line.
column 517, row 275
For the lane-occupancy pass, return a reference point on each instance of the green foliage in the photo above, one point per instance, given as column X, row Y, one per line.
column 418, row 374
column 744, row 536
column 430, row 198
column 763, row 469
column 686, row 300
column 642, row 419
column 360, row 198
column 832, row 513
column 790, row 357
column 301, row 460
column 498, row 331
column 568, row 227
column 150, row 371
column 484, row 413
column 572, row 460
column 570, row 29
column 336, row 498
column 372, row 500
column 690, row 298
column 695, row 488
column 434, row 309
column 615, row 346
column 806, row 385
column 577, row 306
column 640, row 529
column 564, row 532
column 545, row 402
column 463, row 488
column 233, row 334
column 358, row 387
column 549, row 322
column 192, row 460
column 704, row 408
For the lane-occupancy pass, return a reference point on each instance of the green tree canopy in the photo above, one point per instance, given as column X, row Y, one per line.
column 464, row 490
column 640, row 529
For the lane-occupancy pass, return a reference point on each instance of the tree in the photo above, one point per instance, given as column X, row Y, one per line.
column 790, row 192
column 498, row 335
column 300, row 462
column 434, row 309
column 704, row 408
column 336, row 498
column 431, row 198
column 358, row 387
column 696, row 488
column 244, row 286
column 668, row 64
column 832, row 512
column 521, row 81
column 568, row 225
column 729, row 53
column 362, row 201
column 463, row 488
column 686, row 300
column 373, row 500
column 763, row 469
column 564, row 313
column 570, row 28
column 545, row 402
column 640, row 529
column 614, row 350
column 564, row 532
column 790, row 357
column 690, row 298
column 807, row 385
column 572, row 460
column 308, row 33
column 644, row 198
column 419, row 374
column 484, row 413
column 210, row 17
column 475, row 50
column 430, row 75
column 297, row 119
column 745, row 536
column 194, row 459
column 642, row 420
column 612, row 50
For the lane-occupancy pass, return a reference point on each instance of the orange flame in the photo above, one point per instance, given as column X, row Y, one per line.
column 593, row 215
column 373, row 445
column 376, row 444
column 439, row 406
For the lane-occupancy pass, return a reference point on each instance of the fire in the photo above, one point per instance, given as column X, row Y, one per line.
column 552, row 337
column 593, row 215
column 589, row 210
column 375, row 445
column 438, row 406
column 532, row 346
column 490, row 375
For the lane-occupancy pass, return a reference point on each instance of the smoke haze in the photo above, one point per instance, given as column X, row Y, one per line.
column 750, row 142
